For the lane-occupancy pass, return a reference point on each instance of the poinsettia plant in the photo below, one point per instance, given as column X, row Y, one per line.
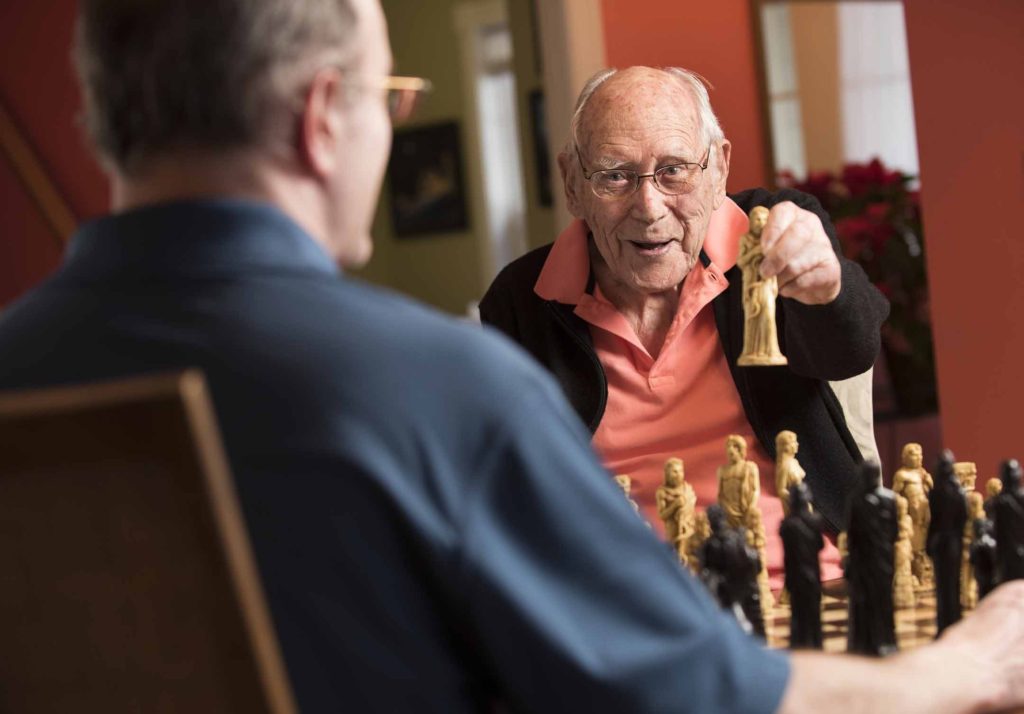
column 877, row 215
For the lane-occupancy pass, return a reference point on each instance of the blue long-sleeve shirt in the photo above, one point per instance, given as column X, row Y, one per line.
column 432, row 529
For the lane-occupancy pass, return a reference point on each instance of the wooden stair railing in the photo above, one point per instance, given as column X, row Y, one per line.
column 31, row 172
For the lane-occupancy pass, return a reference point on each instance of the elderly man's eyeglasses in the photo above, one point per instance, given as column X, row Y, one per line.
column 404, row 94
column 673, row 179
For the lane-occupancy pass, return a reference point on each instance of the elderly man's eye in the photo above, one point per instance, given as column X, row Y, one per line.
column 614, row 177
column 673, row 171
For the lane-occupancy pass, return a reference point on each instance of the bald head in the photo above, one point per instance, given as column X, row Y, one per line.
column 618, row 88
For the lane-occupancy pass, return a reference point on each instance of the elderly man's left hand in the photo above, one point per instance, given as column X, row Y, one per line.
column 797, row 250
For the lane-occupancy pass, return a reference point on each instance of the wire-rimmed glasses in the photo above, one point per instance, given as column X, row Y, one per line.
column 674, row 179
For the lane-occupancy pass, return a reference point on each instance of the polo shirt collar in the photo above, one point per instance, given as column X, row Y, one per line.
column 196, row 237
column 566, row 270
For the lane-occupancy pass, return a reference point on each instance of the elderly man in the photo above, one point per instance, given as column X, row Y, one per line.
column 637, row 307
column 396, row 468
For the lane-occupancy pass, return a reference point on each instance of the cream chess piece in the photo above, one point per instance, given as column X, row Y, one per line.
column 967, row 474
column 788, row 472
column 626, row 484
column 760, row 337
column 739, row 488
column 701, row 532
column 993, row 487
column 913, row 483
column 904, row 583
column 677, row 503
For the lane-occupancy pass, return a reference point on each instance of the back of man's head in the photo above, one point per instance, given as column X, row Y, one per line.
column 160, row 76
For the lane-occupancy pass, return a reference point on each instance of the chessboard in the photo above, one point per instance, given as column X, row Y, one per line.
column 914, row 626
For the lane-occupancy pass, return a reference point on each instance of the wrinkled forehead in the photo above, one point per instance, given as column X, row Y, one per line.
column 640, row 104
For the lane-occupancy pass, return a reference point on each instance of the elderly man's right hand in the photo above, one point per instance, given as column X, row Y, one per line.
column 798, row 251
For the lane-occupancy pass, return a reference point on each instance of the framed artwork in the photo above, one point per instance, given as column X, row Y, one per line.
column 425, row 181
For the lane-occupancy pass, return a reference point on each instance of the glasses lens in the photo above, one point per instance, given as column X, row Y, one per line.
column 677, row 179
column 402, row 103
column 613, row 183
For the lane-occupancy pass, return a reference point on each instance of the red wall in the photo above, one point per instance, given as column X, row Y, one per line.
column 712, row 38
column 38, row 89
column 966, row 60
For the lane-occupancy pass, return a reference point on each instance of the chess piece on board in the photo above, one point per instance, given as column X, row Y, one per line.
column 626, row 484
column 904, row 584
column 967, row 474
column 788, row 471
column 760, row 336
column 993, row 487
column 947, row 503
column 870, row 540
column 729, row 568
column 739, row 489
column 676, row 502
column 701, row 532
column 1008, row 512
column 913, row 483
column 802, row 542
column 983, row 557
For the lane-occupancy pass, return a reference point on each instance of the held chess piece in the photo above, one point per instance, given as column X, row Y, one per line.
column 1009, row 524
column 788, row 471
column 729, row 568
column 760, row 338
column 870, row 539
column 913, row 483
column 801, row 542
column 948, row 505
column 967, row 474
column 676, row 502
column 739, row 488
column 904, row 583
column 983, row 557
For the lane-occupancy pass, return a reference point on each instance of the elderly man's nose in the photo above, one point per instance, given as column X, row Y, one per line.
column 649, row 201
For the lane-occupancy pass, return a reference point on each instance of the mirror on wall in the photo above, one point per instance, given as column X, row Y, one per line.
column 837, row 85
column 836, row 88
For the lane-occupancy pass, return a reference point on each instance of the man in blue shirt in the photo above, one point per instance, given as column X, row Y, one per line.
column 432, row 530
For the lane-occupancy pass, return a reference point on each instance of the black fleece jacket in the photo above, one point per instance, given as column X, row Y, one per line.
column 822, row 342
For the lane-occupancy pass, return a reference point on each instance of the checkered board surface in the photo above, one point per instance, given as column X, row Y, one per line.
column 914, row 626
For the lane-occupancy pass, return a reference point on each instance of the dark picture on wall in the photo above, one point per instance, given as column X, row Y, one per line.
column 541, row 157
column 425, row 180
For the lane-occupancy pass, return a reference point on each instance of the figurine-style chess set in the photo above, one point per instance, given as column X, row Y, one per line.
column 916, row 557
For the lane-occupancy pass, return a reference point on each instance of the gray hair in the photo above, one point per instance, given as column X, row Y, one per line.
column 711, row 130
column 159, row 75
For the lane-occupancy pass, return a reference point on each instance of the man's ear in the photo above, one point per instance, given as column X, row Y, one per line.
column 720, row 160
column 322, row 123
column 570, row 184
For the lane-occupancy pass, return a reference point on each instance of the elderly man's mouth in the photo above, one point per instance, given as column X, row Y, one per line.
column 651, row 248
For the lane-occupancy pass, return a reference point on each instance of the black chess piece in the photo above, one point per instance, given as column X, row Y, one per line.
column 948, row 505
column 983, row 556
column 801, row 542
column 871, row 535
column 1009, row 524
column 729, row 568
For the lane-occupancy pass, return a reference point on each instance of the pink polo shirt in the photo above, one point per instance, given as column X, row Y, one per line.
column 684, row 403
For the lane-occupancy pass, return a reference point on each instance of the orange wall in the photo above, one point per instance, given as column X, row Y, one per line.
column 38, row 88
column 965, row 62
column 712, row 38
